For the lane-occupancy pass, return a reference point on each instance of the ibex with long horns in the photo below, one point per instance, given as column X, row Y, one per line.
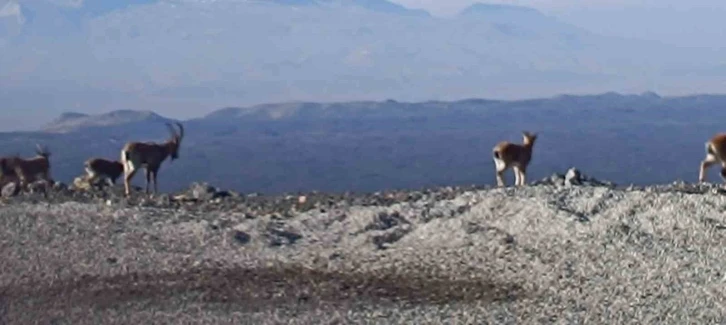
column 149, row 155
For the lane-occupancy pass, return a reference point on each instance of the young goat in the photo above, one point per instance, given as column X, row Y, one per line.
column 149, row 155
column 29, row 170
column 516, row 156
column 715, row 153
column 109, row 170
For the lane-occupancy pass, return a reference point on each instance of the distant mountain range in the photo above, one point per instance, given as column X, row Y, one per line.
column 368, row 146
column 183, row 58
column 73, row 122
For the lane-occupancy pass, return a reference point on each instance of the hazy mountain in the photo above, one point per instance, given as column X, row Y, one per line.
column 366, row 146
column 696, row 25
column 72, row 121
column 184, row 58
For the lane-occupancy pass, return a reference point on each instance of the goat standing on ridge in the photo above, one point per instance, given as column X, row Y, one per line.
column 109, row 170
column 516, row 156
column 715, row 153
column 149, row 155
column 28, row 170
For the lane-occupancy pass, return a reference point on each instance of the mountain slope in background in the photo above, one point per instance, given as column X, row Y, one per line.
column 368, row 146
column 71, row 121
column 182, row 58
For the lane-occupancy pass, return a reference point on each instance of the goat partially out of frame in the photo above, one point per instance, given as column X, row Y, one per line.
column 7, row 174
column 715, row 153
column 28, row 170
column 516, row 156
column 149, row 155
column 109, row 170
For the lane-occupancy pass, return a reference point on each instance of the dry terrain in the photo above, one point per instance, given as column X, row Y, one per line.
column 541, row 254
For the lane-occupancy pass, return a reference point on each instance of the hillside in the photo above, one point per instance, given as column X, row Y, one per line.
column 181, row 58
column 570, row 254
column 370, row 146
column 72, row 121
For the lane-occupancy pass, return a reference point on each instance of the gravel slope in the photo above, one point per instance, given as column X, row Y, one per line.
column 540, row 254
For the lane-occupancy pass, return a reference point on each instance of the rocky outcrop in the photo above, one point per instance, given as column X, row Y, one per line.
column 573, row 177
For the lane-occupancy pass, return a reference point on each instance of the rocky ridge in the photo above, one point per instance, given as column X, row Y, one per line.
column 569, row 248
column 205, row 197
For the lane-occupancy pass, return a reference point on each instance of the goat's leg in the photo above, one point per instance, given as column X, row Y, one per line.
column 153, row 175
column 23, row 182
column 522, row 176
column 128, row 175
column 147, row 173
column 517, row 175
column 47, row 180
column 500, row 178
column 705, row 164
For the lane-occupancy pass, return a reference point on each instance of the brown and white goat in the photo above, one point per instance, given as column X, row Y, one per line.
column 149, row 156
column 109, row 170
column 516, row 156
column 27, row 170
column 715, row 153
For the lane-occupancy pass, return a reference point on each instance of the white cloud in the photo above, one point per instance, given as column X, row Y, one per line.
column 449, row 7
column 12, row 9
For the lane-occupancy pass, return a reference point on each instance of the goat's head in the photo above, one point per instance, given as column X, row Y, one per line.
column 528, row 138
column 175, row 139
column 42, row 151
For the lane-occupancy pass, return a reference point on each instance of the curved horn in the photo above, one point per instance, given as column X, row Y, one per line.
column 171, row 130
column 181, row 130
column 41, row 150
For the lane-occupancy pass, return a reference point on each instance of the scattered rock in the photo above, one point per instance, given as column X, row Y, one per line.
column 572, row 177
column 183, row 198
column 10, row 190
column 279, row 234
column 220, row 194
column 202, row 191
column 163, row 199
column 384, row 221
column 241, row 237
column 81, row 183
column 386, row 238
column 38, row 187
column 60, row 186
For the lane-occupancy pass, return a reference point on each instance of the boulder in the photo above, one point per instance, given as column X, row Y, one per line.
column 573, row 177
column 81, row 183
column 10, row 190
column 202, row 191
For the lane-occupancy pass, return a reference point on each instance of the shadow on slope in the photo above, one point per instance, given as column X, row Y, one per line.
column 252, row 289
